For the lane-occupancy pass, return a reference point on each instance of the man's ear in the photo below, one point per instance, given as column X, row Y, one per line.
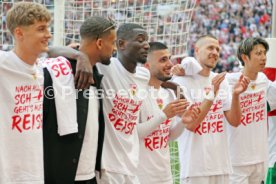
column 245, row 58
column 99, row 43
column 18, row 33
column 121, row 44
column 196, row 50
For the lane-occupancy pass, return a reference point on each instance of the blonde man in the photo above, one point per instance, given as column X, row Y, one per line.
column 21, row 86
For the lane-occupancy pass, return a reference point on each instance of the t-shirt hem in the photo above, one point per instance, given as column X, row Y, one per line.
column 206, row 174
column 27, row 182
column 118, row 172
column 85, row 177
column 247, row 163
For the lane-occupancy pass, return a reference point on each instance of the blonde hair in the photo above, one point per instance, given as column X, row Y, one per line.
column 25, row 14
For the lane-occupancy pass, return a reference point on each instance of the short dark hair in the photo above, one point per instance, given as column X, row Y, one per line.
column 125, row 31
column 157, row 46
column 205, row 36
column 94, row 27
column 247, row 45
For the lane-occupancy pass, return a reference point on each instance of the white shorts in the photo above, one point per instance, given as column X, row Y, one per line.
column 217, row 179
column 250, row 174
column 116, row 178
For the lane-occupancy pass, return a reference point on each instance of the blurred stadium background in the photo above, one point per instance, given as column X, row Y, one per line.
column 166, row 20
column 175, row 22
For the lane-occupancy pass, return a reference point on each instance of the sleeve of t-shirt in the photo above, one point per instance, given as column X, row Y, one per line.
column 271, row 97
column 145, row 128
column 2, row 56
column 177, row 128
column 191, row 66
column 143, row 73
column 225, row 92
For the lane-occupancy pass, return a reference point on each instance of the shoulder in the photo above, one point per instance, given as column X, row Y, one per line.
column 262, row 76
column 232, row 77
column 168, row 94
column 3, row 53
column 104, row 68
column 3, row 56
column 183, row 80
column 142, row 72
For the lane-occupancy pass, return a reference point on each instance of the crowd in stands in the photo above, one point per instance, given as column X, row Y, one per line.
column 229, row 20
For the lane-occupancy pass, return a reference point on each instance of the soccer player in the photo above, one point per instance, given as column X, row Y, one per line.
column 154, row 160
column 125, row 84
column 21, row 81
column 249, row 142
column 74, row 158
column 203, row 150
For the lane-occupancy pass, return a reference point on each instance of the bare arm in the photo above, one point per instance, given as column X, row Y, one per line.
column 207, row 103
column 233, row 116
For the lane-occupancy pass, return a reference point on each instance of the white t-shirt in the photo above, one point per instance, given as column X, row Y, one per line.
column 154, row 160
column 191, row 66
column 21, row 146
column 87, row 161
column 122, row 102
column 249, row 142
column 272, row 140
column 204, row 152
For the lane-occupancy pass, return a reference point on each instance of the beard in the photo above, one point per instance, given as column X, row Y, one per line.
column 142, row 59
column 164, row 78
column 210, row 66
column 105, row 60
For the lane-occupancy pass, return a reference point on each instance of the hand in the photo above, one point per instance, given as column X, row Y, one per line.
column 186, row 105
column 241, row 85
column 74, row 45
column 190, row 115
column 178, row 70
column 84, row 72
column 217, row 80
column 175, row 107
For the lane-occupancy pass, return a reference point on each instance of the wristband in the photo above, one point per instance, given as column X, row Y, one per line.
column 210, row 95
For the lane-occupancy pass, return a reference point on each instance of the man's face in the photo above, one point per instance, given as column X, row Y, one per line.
column 257, row 60
column 137, row 46
column 207, row 52
column 109, row 47
column 35, row 37
column 160, row 65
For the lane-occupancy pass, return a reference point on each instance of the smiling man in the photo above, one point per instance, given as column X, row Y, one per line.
column 21, row 81
column 154, row 163
column 121, row 110
column 125, row 84
column 203, row 150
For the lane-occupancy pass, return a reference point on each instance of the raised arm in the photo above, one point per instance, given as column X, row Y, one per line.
column 233, row 116
column 189, row 116
column 207, row 102
column 172, row 109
